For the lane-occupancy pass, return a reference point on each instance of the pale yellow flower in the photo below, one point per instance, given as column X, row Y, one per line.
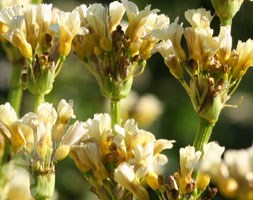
column 65, row 111
column 211, row 158
column 82, row 10
column 88, row 157
column 196, row 39
column 137, row 19
column 73, row 134
column 235, row 175
column 17, row 36
column 43, row 18
column 7, row 115
column 199, row 18
column 124, row 175
column 116, row 12
column 209, row 164
column 127, row 138
column 147, row 159
column 167, row 50
column 188, row 160
column 69, row 26
column 99, row 128
column 22, row 136
column 47, row 113
column 244, row 52
column 225, row 43
column 171, row 34
column 32, row 27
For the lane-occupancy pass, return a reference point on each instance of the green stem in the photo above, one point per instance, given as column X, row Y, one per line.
column 59, row 65
column 203, row 134
column 16, row 92
column 39, row 99
column 115, row 112
column 226, row 21
column 36, row 1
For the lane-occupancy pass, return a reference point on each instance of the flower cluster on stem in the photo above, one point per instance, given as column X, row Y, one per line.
column 43, row 138
column 118, row 165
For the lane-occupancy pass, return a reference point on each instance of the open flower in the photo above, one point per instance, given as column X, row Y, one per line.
column 68, row 27
column 127, row 138
column 209, row 164
column 88, row 157
column 189, row 159
column 147, row 159
column 124, row 175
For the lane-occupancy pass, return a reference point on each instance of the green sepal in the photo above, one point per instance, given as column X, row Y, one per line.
column 42, row 185
column 211, row 108
column 43, row 83
column 116, row 90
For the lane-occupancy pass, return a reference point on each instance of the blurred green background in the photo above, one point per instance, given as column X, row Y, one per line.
column 178, row 120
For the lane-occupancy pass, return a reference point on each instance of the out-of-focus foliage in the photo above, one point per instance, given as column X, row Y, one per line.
column 177, row 121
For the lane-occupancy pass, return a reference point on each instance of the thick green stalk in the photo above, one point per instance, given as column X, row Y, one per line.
column 203, row 134
column 16, row 91
column 39, row 99
column 115, row 112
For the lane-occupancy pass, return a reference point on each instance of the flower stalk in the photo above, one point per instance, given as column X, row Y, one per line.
column 38, row 99
column 16, row 91
column 204, row 131
column 115, row 112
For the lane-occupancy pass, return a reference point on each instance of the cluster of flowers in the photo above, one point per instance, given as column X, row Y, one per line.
column 214, row 68
column 129, row 156
column 41, row 138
